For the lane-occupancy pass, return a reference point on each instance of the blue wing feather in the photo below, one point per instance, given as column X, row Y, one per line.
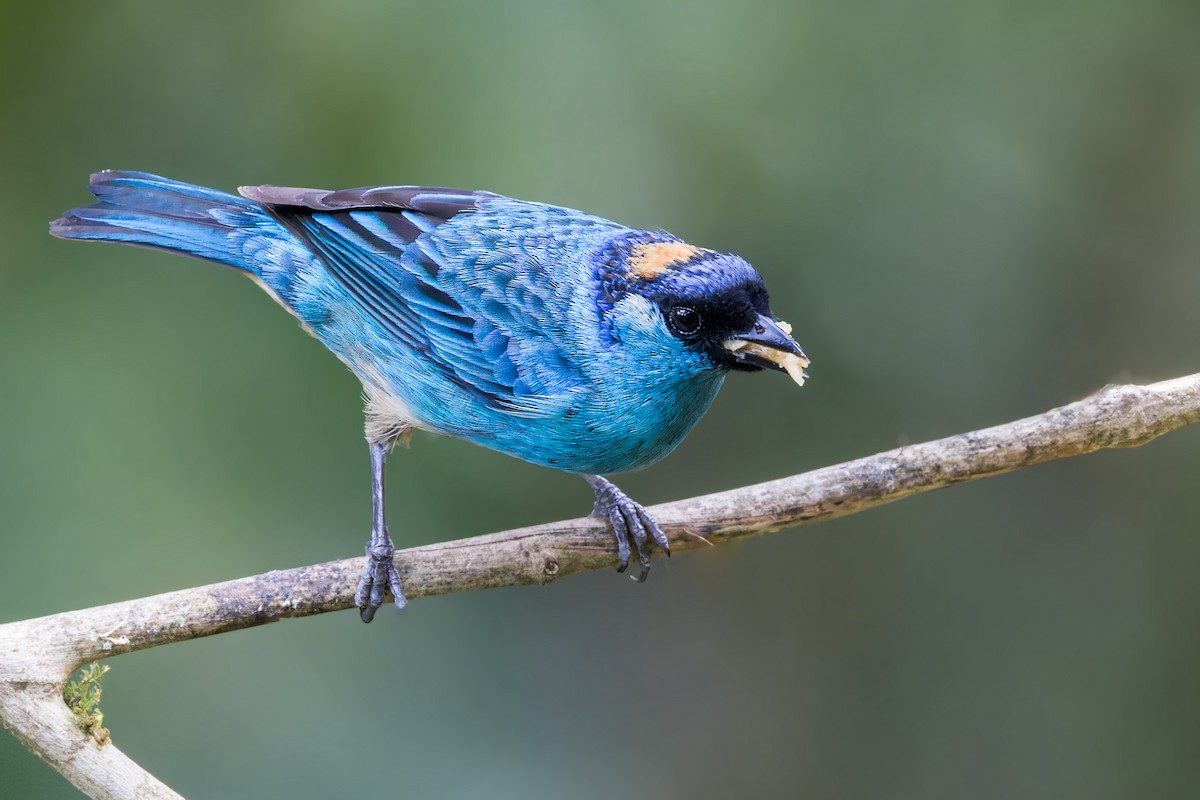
column 464, row 328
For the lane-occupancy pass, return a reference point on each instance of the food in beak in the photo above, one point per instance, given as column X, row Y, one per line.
column 791, row 363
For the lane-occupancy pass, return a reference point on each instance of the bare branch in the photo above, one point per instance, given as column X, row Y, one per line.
column 38, row 655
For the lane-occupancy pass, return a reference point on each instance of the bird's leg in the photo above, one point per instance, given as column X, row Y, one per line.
column 380, row 572
column 628, row 519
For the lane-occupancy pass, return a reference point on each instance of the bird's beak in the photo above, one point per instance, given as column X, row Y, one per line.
column 769, row 343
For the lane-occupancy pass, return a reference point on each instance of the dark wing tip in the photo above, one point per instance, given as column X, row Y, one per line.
column 286, row 196
column 433, row 200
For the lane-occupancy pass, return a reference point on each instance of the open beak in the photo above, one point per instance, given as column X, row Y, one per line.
column 769, row 343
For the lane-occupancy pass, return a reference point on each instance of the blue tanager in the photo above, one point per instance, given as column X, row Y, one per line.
column 542, row 332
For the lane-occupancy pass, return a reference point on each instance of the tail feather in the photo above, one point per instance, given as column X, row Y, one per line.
column 142, row 209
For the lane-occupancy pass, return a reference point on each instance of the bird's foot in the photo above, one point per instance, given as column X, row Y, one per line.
column 377, row 577
column 629, row 521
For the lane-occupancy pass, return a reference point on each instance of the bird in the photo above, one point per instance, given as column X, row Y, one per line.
column 551, row 335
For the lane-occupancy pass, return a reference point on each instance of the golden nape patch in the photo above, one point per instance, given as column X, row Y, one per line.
column 648, row 261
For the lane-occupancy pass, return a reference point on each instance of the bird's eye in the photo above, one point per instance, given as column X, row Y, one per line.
column 684, row 320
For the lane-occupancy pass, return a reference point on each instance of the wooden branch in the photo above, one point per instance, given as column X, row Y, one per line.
column 38, row 655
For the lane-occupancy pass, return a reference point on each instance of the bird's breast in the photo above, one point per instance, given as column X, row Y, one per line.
column 610, row 430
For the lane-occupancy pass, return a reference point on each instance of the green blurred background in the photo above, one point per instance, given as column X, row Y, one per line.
column 970, row 212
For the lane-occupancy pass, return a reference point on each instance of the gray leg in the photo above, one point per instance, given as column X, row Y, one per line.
column 628, row 519
column 380, row 572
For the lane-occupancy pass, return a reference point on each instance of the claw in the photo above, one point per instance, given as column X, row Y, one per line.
column 622, row 532
column 640, row 539
column 628, row 520
column 378, row 576
column 660, row 538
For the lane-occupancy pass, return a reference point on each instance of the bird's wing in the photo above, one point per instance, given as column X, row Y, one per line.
column 485, row 327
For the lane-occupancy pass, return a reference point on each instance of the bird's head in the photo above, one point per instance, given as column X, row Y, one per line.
column 710, row 307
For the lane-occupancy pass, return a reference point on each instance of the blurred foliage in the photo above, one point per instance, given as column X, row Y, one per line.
column 970, row 212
